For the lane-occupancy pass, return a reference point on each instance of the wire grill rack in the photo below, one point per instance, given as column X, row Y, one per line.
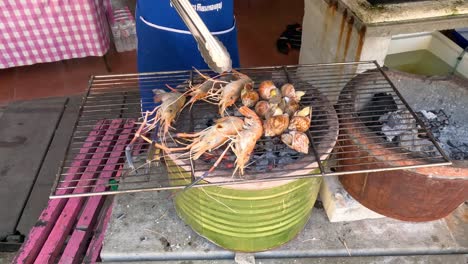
column 344, row 124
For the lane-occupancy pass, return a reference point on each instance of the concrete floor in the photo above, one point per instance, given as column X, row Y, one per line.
column 427, row 259
column 6, row 257
column 145, row 226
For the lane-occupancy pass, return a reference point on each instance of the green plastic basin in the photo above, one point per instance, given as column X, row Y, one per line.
column 246, row 220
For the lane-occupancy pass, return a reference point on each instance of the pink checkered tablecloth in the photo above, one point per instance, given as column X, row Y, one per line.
column 35, row 31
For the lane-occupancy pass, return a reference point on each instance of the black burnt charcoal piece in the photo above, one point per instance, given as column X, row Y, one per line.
column 379, row 105
column 434, row 121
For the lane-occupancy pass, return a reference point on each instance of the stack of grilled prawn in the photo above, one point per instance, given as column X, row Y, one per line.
column 267, row 111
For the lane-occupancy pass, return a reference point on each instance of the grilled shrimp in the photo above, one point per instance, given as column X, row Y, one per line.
column 246, row 139
column 165, row 113
column 213, row 136
column 207, row 90
column 171, row 104
column 232, row 91
column 200, row 91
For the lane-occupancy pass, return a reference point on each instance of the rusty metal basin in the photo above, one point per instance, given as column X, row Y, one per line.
column 421, row 194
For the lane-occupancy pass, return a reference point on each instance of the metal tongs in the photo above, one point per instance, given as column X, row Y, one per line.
column 212, row 50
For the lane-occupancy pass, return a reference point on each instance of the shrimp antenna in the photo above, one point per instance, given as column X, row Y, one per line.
column 172, row 89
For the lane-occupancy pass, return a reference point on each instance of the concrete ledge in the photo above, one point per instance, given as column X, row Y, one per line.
column 410, row 11
column 339, row 205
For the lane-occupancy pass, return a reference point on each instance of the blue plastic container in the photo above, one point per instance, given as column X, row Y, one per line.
column 461, row 37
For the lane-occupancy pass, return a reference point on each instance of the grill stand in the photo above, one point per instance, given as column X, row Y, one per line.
column 145, row 223
column 118, row 96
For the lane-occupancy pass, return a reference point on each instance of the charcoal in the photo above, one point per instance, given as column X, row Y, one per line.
column 379, row 105
column 260, row 162
column 400, row 128
column 269, row 145
column 285, row 160
column 446, row 132
column 288, row 152
column 434, row 121
column 397, row 124
column 271, row 153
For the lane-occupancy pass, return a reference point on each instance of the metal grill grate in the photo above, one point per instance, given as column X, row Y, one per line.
column 347, row 101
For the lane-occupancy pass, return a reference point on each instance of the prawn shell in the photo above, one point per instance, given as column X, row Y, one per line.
column 229, row 125
column 276, row 125
column 172, row 103
column 297, row 141
column 216, row 135
column 171, row 106
column 246, row 140
column 299, row 123
column 200, row 91
column 232, row 91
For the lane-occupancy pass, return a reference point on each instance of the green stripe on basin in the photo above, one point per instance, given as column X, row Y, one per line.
column 246, row 220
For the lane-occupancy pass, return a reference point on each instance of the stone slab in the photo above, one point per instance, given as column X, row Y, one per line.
column 145, row 226
column 25, row 133
column 457, row 223
column 45, row 179
column 339, row 205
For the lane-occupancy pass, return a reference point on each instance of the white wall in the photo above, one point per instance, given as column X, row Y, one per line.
column 330, row 36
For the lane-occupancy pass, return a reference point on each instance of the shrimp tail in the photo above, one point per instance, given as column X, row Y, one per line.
column 206, row 173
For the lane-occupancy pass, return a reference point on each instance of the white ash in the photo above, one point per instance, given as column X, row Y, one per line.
column 433, row 94
column 451, row 136
column 453, row 139
column 397, row 123
column 428, row 114
column 434, row 121
column 400, row 127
